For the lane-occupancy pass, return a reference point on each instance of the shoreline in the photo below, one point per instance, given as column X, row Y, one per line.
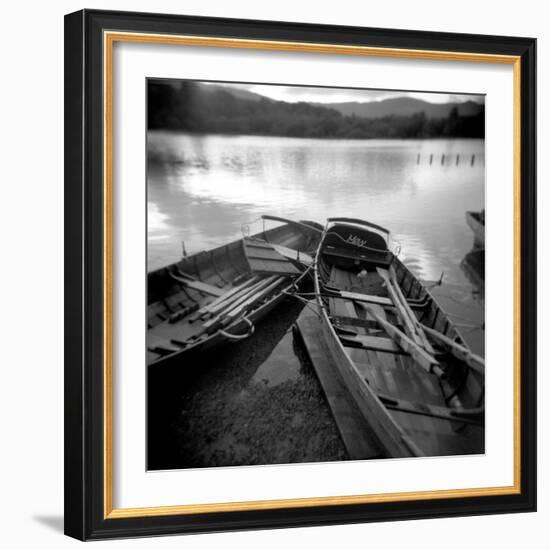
column 223, row 415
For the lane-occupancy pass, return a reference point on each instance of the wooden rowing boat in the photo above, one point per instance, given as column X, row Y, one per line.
column 410, row 372
column 217, row 296
column 476, row 222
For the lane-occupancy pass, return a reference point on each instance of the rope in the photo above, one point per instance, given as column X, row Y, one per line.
column 470, row 325
column 240, row 336
column 307, row 303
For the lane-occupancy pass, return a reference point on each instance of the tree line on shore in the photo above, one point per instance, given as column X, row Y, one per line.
column 190, row 107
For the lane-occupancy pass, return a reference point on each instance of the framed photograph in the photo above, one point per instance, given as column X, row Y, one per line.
column 300, row 274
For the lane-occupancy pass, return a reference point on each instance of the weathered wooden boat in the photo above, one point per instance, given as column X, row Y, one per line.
column 410, row 372
column 217, row 296
column 476, row 222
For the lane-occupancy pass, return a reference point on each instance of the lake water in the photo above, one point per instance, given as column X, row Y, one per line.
column 259, row 401
column 202, row 189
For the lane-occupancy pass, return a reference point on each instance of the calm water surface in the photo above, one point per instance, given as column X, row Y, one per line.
column 202, row 189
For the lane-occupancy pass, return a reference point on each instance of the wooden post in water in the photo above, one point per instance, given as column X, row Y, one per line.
column 431, row 158
column 473, row 160
column 418, row 159
column 442, row 159
column 457, row 159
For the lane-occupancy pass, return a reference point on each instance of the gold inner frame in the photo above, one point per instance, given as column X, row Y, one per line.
column 109, row 39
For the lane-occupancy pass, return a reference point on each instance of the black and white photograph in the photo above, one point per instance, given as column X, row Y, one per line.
column 315, row 285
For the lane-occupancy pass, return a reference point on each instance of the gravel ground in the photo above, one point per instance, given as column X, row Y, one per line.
column 213, row 411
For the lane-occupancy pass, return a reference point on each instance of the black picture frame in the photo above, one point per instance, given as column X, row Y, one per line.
column 85, row 489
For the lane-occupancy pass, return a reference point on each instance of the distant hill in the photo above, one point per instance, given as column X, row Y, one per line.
column 395, row 106
column 211, row 109
column 235, row 92
column 403, row 106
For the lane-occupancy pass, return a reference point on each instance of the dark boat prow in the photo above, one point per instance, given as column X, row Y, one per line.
column 476, row 222
column 473, row 265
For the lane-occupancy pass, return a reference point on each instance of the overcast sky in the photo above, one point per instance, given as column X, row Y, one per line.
column 293, row 94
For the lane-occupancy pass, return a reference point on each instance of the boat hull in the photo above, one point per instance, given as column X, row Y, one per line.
column 477, row 225
column 400, row 434
column 185, row 286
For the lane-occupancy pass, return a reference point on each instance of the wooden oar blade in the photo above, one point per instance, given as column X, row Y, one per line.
column 419, row 355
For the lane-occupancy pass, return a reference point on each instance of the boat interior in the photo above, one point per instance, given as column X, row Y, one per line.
column 355, row 266
column 188, row 300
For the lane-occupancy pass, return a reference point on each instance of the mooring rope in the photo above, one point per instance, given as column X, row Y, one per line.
column 307, row 303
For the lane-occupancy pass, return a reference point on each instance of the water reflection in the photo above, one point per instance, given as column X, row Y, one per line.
column 280, row 366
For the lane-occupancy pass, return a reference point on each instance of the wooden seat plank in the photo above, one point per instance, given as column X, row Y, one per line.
column 424, row 359
column 263, row 258
column 358, row 355
column 256, row 243
column 381, row 260
column 296, row 255
column 344, row 320
column 339, row 278
column 367, row 361
column 272, row 267
column 265, row 254
column 198, row 285
column 374, row 343
column 368, row 298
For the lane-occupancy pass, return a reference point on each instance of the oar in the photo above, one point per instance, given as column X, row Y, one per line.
column 234, row 313
column 475, row 362
column 421, row 356
column 402, row 310
column 416, row 323
column 233, row 293
column 334, row 292
column 242, row 299
column 241, row 294
column 228, row 317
